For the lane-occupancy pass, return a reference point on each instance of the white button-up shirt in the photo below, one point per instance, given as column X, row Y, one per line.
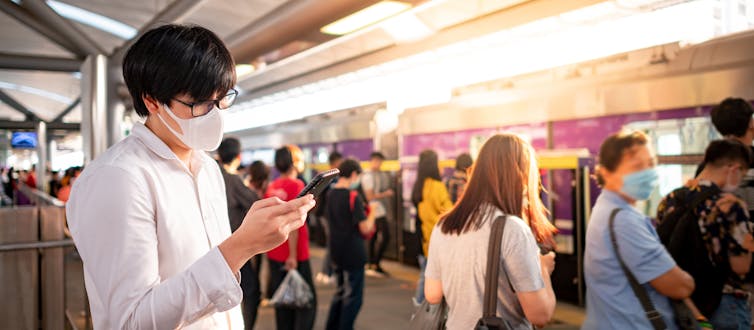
column 147, row 229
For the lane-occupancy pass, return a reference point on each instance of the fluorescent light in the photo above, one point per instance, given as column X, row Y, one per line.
column 94, row 20
column 244, row 69
column 35, row 91
column 407, row 28
column 365, row 17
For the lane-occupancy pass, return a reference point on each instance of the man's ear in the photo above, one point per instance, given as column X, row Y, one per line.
column 153, row 106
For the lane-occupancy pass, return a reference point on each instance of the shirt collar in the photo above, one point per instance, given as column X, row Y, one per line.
column 614, row 198
column 141, row 132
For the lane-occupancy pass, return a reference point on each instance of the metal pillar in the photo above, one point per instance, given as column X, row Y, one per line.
column 94, row 123
column 42, row 156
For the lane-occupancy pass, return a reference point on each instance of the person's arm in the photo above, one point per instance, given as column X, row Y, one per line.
column 364, row 222
column 441, row 199
column 528, row 271
column 433, row 291
column 292, row 261
column 731, row 228
column 539, row 306
column 433, row 272
column 675, row 283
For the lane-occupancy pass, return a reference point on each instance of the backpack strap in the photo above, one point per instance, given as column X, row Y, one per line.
column 493, row 267
column 649, row 309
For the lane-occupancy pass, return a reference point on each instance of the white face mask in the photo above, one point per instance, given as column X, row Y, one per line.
column 199, row 133
column 731, row 184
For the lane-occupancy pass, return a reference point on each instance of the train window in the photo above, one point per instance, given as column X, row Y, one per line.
column 686, row 138
column 322, row 155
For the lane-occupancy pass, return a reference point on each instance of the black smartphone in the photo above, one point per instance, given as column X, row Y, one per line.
column 319, row 183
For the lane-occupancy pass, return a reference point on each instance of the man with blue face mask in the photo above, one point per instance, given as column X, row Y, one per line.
column 149, row 216
column 627, row 175
column 719, row 256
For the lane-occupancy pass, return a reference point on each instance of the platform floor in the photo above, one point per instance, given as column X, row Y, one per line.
column 387, row 301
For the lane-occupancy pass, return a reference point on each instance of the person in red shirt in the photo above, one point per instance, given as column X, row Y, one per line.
column 294, row 253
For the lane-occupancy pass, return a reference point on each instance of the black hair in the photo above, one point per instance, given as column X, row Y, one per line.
column 177, row 59
column 376, row 154
column 229, row 150
column 613, row 148
column 334, row 157
column 259, row 173
column 348, row 167
column 463, row 162
column 428, row 168
column 732, row 117
column 725, row 151
column 283, row 160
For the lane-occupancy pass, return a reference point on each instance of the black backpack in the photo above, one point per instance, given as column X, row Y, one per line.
column 679, row 232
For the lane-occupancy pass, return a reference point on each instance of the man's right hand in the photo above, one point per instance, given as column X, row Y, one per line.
column 267, row 225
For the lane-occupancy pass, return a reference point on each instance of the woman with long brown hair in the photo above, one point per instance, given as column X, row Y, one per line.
column 504, row 181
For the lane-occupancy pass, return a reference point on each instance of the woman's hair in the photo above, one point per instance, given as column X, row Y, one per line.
column 428, row 168
column 463, row 162
column 259, row 173
column 613, row 148
column 504, row 176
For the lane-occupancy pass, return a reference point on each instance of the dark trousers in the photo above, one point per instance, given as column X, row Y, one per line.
column 252, row 292
column 378, row 242
column 326, row 262
column 347, row 300
column 290, row 318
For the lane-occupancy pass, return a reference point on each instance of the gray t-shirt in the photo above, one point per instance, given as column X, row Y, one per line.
column 460, row 263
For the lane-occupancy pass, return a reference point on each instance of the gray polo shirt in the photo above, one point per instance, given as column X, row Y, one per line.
column 460, row 263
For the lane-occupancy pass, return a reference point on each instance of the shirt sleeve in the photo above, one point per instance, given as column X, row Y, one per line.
column 441, row 199
column 367, row 181
column 723, row 233
column 432, row 270
column 111, row 216
column 520, row 255
column 640, row 248
column 359, row 210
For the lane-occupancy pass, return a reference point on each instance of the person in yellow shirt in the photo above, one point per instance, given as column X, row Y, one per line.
column 431, row 199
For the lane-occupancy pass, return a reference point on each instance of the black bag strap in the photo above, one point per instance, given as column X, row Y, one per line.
column 649, row 309
column 493, row 267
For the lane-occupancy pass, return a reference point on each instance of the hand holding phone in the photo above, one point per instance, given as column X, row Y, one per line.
column 319, row 183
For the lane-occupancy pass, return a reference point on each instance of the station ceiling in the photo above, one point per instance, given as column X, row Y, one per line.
column 281, row 38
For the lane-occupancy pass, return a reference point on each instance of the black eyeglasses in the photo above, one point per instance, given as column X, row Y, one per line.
column 202, row 108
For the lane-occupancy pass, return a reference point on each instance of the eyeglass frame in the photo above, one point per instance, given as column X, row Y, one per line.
column 191, row 105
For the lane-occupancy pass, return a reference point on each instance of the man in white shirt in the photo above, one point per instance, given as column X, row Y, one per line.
column 149, row 216
column 377, row 188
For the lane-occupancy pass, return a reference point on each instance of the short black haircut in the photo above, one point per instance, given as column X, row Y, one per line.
column 376, row 154
column 463, row 162
column 283, row 159
column 177, row 59
column 259, row 173
column 348, row 167
column 229, row 150
column 732, row 117
column 726, row 151
column 334, row 157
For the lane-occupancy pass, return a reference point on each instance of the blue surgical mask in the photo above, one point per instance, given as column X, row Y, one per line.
column 354, row 185
column 640, row 185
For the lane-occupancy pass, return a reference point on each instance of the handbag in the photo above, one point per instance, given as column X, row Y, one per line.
column 430, row 316
column 490, row 320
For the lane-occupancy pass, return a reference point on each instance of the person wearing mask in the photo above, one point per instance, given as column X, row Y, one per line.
column 456, row 183
column 259, row 177
column 725, row 228
column 348, row 223
column 148, row 215
column 240, row 198
column 627, row 174
column 294, row 253
column 431, row 199
column 378, row 189
column 325, row 276
column 506, row 166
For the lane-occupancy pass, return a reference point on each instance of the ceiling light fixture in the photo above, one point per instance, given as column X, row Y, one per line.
column 365, row 17
column 94, row 20
column 407, row 28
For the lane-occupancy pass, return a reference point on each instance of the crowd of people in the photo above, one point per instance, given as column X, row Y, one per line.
column 58, row 186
